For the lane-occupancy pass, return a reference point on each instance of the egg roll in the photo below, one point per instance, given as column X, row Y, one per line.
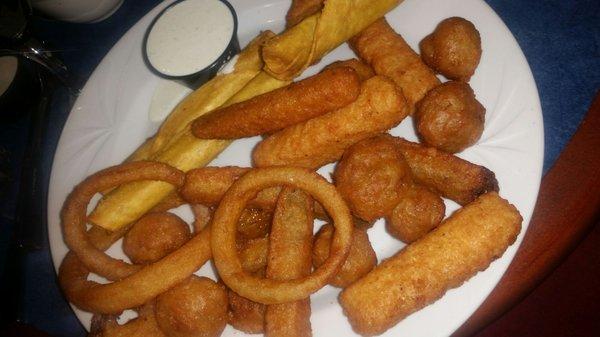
column 292, row 51
column 421, row 273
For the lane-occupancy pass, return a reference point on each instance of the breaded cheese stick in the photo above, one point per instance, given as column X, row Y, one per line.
column 290, row 249
column 451, row 177
column 323, row 139
column 301, row 9
column 421, row 273
column 329, row 90
column 389, row 55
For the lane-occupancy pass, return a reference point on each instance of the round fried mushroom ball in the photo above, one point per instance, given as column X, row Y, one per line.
column 360, row 260
column 246, row 315
column 371, row 176
column 419, row 211
column 154, row 236
column 453, row 49
column 449, row 117
column 195, row 308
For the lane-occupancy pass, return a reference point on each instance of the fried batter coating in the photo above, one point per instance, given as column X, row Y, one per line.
column 318, row 141
column 154, row 236
column 142, row 326
column 360, row 261
column 446, row 174
column 453, row 49
column 196, row 307
column 326, row 91
column 290, row 259
column 302, row 9
column 253, row 254
column 417, row 213
column 254, row 223
column 246, row 315
column 363, row 70
column 421, row 273
column 389, row 55
column 371, row 176
column 450, row 118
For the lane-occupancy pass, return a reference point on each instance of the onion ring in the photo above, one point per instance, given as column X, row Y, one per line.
column 224, row 227
column 137, row 289
column 74, row 212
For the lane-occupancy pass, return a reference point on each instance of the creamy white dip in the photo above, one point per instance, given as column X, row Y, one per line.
column 189, row 36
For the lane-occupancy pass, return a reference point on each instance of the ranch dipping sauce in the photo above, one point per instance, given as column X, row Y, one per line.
column 189, row 36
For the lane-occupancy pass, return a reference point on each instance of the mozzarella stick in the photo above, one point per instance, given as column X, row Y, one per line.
column 448, row 175
column 389, row 55
column 290, row 249
column 323, row 139
column 329, row 90
column 421, row 273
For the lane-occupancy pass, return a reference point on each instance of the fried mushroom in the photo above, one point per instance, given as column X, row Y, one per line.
column 195, row 308
column 450, row 118
column 371, row 176
column 154, row 236
column 453, row 49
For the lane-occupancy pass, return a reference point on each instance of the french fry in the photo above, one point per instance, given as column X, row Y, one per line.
column 421, row 273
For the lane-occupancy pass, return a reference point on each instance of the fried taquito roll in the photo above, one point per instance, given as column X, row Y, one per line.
column 314, row 96
column 421, row 273
column 321, row 140
column 290, row 258
column 389, row 55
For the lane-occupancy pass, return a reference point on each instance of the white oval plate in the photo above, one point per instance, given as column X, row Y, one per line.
column 110, row 120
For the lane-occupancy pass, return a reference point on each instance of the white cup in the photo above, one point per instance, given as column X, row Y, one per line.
column 77, row 10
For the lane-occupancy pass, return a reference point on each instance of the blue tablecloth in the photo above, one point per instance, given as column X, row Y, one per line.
column 561, row 40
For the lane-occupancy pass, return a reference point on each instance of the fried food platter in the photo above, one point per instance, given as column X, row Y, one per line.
column 110, row 120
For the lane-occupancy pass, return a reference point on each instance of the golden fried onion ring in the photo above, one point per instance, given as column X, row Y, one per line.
column 224, row 227
column 74, row 211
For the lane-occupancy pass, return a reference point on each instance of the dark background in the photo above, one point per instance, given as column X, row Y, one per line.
column 561, row 40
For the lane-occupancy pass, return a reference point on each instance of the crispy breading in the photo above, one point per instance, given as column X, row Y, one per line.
column 290, row 258
column 453, row 49
column 417, row 213
column 389, row 55
column 451, row 177
column 318, row 141
column 361, row 259
column 329, row 90
column 421, row 273
column 372, row 177
column 363, row 70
